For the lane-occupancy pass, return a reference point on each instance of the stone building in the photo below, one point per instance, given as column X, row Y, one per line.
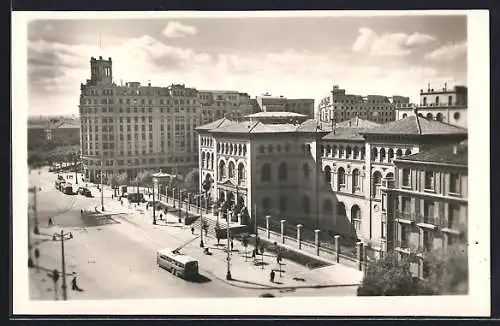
column 445, row 104
column 340, row 106
column 268, row 103
column 426, row 203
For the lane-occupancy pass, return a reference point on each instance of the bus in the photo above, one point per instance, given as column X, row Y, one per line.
column 176, row 263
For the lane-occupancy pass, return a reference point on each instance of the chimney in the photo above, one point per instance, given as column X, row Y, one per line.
column 455, row 149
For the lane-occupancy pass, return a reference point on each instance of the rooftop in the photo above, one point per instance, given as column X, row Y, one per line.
column 281, row 114
column 416, row 125
column 455, row 154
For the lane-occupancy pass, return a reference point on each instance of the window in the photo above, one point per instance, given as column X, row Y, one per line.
column 282, row 172
column 328, row 175
column 453, row 216
column 429, row 180
column 340, row 178
column 406, row 177
column 377, row 182
column 425, row 101
column 456, row 115
column 450, row 100
column 222, row 170
column 266, row 173
column 355, row 180
column 439, row 117
column 404, row 236
column 241, row 173
column 427, row 241
column 437, row 100
column 454, row 183
column 429, row 212
column 261, row 149
column 356, row 217
column 305, row 204
column 231, row 170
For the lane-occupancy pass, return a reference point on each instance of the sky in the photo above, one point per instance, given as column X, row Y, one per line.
column 296, row 57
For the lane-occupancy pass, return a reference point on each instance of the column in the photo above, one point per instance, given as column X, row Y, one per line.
column 268, row 231
column 282, row 231
column 337, row 247
column 299, row 239
column 316, row 240
column 359, row 254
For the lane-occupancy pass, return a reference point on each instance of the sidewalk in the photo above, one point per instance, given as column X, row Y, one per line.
column 245, row 272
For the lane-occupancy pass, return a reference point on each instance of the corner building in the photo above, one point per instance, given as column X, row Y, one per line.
column 315, row 174
column 129, row 128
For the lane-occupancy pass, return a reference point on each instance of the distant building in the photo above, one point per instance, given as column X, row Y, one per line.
column 427, row 203
column 340, row 106
column 62, row 132
column 130, row 128
column 268, row 103
column 445, row 104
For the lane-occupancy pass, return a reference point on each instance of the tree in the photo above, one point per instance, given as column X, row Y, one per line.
column 389, row 276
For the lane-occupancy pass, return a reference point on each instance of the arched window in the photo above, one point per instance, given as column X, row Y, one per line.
column 222, row 170
column 355, row 180
column 405, row 115
column 218, row 148
column 348, row 152
column 450, row 100
column 334, row 151
column 376, row 182
column 399, row 153
column 356, row 217
column 282, row 171
column 328, row 174
column 306, row 205
column 439, row 117
column 389, row 176
column 456, row 115
column 382, row 154
column 429, row 116
column 266, row 204
column 363, row 153
column 408, row 152
column 305, row 171
column 390, row 154
column 266, row 173
column 203, row 159
column 355, row 154
column 327, row 206
column 241, row 173
column 231, row 170
column 328, row 150
column 425, row 101
column 437, row 100
column 212, row 161
column 374, row 153
column 340, row 178
column 322, row 150
column 341, row 151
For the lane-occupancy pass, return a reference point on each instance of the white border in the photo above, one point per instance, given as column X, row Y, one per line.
column 477, row 303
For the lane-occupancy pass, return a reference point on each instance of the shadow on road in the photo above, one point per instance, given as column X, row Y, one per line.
column 199, row 279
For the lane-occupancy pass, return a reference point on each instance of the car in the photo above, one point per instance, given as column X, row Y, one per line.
column 85, row 192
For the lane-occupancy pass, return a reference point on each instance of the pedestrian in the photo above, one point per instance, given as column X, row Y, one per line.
column 271, row 276
column 192, row 230
column 51, row 222
column 112, row 196
column 231, row 244
column 254, row 251
column 74, row 285
column 206, row 231
column 161, row 216
column 121, row 202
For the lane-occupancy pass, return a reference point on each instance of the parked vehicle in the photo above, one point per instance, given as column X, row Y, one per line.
column 85, row 192
column 67, row 188
column 177, row 263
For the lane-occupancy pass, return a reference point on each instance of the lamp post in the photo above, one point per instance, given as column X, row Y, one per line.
column 228, row 274
column 76, row 171
column 61, row 236
column 154, row 205
column 201, row 226
column 102, row 189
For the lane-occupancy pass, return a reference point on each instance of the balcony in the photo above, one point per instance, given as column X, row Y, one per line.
column 405, row 246
column 405, row 217
column 428, row 222
column 456, row 228
column 388, row 183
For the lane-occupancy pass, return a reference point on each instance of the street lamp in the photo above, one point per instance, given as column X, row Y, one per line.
column 102, row 189
column 61, row 236
column 154, row 205
column 228, row 274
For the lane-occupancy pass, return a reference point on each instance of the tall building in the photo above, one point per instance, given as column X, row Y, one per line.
column 129, row 128
column 427, row 203
column 268, row 103
column 319, row 175
column 445, row 104
column 340, row 106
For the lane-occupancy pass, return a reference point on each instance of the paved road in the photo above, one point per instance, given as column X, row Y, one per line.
column 115, row 258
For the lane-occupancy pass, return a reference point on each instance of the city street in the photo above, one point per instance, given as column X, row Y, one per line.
column 115, row 257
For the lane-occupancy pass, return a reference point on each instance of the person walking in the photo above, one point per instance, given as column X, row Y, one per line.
column 271, row 276
column 51, row 221
column 74, row 285
column 161, row 216
column 192, row 230
column 231, row 244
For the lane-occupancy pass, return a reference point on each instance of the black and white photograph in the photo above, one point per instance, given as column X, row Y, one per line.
column 251, row 163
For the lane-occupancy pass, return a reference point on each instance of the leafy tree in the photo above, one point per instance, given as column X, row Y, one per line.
column 388, row 276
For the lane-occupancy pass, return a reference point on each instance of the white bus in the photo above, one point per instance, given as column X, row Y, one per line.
column 177, row 263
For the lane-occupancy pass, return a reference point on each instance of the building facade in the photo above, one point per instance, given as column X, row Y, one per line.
column 316, row 174
column 427, row 203
column 129, row 128
column 445, row 104
column 340, row 106
column 268, row 103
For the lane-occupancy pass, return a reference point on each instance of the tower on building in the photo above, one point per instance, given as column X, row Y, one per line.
column 101, row 71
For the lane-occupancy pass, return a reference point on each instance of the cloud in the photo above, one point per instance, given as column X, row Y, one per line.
column 448, row 52
column 176, row 29
column 388, row 44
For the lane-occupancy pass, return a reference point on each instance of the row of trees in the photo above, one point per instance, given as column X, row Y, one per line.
column 447, row 273
column 60, row 156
